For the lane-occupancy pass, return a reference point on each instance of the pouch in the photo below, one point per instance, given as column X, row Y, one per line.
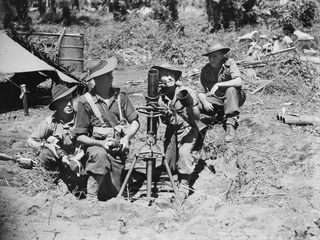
column 102, row 132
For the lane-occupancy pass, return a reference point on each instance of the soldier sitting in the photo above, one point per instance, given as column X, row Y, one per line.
column 54, row 139
column 100, row 117
column 221, row 87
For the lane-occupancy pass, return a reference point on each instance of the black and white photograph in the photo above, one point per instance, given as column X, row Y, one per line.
column 159, row 119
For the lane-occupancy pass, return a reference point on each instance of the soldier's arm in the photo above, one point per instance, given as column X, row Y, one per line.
column 133, row 129
column 236, row 80
column 132, row 117
column 195, row 109
column 39, row 136
column 202, row 92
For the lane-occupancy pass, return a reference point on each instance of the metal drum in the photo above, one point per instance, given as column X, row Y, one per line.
column 71, row 52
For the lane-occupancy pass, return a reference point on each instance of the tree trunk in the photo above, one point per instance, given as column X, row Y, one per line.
column 213, row 10
column 41, row 8
column 173, row 9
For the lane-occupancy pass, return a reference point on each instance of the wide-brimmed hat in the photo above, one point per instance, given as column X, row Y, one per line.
column 167, row 67
column 59, row 91
column 101, row 67
column 217, row 47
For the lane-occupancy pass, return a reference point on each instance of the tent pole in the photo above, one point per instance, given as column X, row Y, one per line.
column 51, row 34
column 24, row 99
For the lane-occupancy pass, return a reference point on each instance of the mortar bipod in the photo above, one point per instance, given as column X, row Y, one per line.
column 150, row 158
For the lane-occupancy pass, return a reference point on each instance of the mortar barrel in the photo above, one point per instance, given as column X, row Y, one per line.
column 152, row 97
column 25, row 99
column 153, row 83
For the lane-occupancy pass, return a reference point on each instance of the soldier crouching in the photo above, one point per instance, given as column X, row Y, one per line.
column 182, row 131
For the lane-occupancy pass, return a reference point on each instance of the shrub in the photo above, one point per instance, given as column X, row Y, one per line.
column 307, row 13
column 222, row 14
column 292, row 77
column 295, row 13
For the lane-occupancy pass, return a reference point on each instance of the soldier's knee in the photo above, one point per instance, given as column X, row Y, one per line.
column 44, row 153
column 96, row 152
column 48, row 161
column 185, row 152
column 231, row 91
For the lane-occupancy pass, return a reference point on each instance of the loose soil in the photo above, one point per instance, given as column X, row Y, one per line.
column 272, row 194
column 264, row 186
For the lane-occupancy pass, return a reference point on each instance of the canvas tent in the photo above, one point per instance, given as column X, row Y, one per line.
column 16, row 59
column 19, row 66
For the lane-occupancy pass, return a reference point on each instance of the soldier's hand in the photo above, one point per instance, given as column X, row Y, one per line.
column 124, row 143
column 214, row 89
column 208, row 106
column 52, row 147
column 53, row 140
column 65, row 161
column 106, row 144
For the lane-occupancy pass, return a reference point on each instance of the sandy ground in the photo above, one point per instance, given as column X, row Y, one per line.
column 274, row 194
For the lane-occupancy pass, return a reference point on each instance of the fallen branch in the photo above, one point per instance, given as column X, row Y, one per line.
column 263, row 195
column 13, row 136
column 60, row 40
column 6, row 157
column 51, row 210
column 7, row 182
column 261, row 87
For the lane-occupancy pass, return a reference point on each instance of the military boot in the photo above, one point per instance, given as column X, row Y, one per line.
column 231, row 125
column 183, row 186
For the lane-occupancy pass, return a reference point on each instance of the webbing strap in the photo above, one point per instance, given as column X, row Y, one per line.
column 119, row 107
column 94, row 107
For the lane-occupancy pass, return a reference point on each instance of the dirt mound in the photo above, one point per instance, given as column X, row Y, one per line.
column 273, row 194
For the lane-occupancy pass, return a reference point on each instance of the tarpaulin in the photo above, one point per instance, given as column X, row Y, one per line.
column 16, row 59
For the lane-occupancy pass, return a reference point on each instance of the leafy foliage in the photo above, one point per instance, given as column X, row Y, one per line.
column 222, row 14
column 297, row 12
column 292, row 14
column 307, row 13
column 164, row 10
column 292, row 77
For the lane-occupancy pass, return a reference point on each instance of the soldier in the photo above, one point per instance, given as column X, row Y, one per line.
column 221, row 86
column 54, row 139
column 101, row 115
column 182, row 130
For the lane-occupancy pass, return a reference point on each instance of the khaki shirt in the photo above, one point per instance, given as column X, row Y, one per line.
column 54, row 126
column 210, row 76
column 86, row 119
